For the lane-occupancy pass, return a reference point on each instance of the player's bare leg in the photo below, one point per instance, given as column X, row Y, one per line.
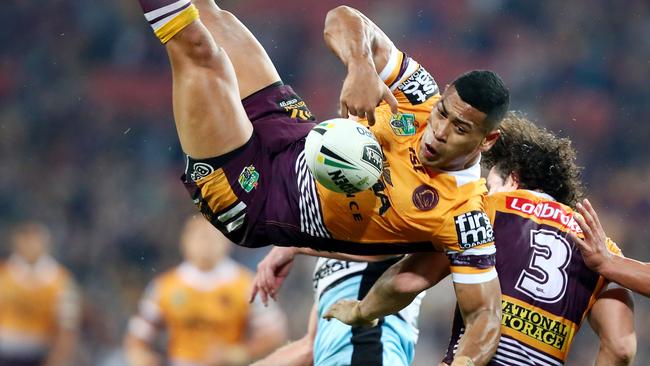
column 210, row 118
column 253, row 67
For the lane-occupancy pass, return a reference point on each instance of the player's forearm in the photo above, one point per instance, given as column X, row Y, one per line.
column 387, row 296
column 481, row 338
column 343, row 256
column 350, row 35
column 62, row 351
column 628, row 273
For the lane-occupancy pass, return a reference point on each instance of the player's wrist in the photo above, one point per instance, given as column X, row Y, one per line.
column 606, row 264
column 363, row 317
column 360, row 64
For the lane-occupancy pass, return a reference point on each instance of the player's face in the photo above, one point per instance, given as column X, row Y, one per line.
column 202, row 244
column 454, row 136
column 496, row 183
column 31, row 245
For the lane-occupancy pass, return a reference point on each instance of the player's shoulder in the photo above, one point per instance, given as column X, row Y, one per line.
column 461, row 186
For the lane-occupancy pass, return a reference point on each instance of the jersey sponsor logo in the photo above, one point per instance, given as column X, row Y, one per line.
column 342, row 182
column 248, row 178
column 200, row 170
column 552, row 211
column 386, row 171
column 419, row 87
column 296, row 108
column 415, row 162
column 473, row 228
column 379, row 190
column 536, row 325
column 425, row 198
column 328, row 268
column 403, row 124
column 363, row 131
column 372, row 155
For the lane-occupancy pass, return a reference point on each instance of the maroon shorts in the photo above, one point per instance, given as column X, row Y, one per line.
column 252, row 194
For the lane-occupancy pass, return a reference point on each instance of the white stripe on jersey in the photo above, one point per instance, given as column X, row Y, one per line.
column 538, row 357
column 311, row 219
column 411, row 67
column 472, row 278
column 476, row 251
column 390, row 65
column 328, row 271
column 510, row 352
column 165, row 10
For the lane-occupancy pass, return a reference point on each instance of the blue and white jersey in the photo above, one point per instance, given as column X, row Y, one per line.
column 391, row 342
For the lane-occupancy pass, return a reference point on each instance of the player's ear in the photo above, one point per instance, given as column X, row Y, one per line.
column 512, row 181
column 490, row 139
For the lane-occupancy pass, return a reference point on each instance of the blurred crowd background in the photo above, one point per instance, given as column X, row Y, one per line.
column 88, row 146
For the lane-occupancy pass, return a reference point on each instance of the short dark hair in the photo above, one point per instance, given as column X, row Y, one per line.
column 541, row 160
column 485, row 91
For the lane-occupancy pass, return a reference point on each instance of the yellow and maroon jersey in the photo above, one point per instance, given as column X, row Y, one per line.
column 200, row 311
column 411, row 204
column 547, row 289
column 263, row 193
column 35, row 302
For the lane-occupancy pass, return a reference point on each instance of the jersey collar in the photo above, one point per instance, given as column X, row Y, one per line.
column 467, row 175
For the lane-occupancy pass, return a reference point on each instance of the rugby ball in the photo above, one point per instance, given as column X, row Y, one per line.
column 343, row 156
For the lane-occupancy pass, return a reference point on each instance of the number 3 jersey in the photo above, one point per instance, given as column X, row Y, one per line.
column 547, row 289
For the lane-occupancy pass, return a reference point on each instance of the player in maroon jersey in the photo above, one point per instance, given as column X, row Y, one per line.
column 547, row 289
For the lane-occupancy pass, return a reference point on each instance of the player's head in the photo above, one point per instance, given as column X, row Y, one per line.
column 31, row 240
column 465, row 121
column 201, row 244
column 529, row 157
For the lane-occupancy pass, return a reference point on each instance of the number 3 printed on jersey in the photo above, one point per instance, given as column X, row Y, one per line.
column 545, row 279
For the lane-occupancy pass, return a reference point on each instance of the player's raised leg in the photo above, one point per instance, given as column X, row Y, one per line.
column 210, row 118
column 253, row 67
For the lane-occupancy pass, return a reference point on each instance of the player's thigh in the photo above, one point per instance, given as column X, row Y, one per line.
column 209, row 116
column 253, row 67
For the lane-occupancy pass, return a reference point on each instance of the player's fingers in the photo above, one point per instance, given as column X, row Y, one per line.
column 579, row 242
column 586, row 229
column 371, row 117
column 264, row 297
column 389, row 98
column 593, row 214
column 586, row 215
column 344, row 110
column 269, row 279
column 253, row 293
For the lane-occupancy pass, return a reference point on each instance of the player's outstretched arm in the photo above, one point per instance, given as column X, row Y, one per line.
column 364, row 49
column 480, row 306
column 628, row 273
column 296, row 353
column 276, row 265
column 612, row 318
column 394, row 290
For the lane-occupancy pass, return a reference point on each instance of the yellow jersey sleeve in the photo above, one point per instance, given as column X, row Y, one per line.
column 613, row 248
column 468, row 237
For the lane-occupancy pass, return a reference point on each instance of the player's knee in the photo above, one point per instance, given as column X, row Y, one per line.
column 197, row 45
column 623, row 349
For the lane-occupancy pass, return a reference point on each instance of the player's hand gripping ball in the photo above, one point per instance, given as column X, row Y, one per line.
column 343, row 155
